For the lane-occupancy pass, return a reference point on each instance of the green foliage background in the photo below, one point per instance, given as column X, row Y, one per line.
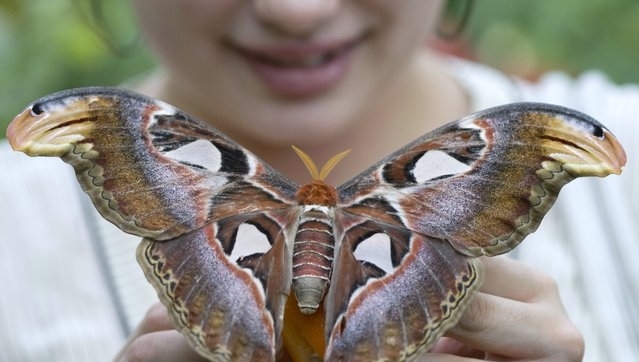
column 47, row 45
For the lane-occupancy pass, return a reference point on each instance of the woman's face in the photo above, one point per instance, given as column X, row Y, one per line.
column 283, row 70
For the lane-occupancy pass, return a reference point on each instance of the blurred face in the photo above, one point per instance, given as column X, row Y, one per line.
column 279, row 71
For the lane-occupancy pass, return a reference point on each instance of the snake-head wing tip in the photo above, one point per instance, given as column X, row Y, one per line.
column 46, row 133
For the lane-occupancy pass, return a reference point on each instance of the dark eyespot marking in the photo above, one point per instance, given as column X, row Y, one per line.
column 36, row 109
column 233, row 160
column 597, row 131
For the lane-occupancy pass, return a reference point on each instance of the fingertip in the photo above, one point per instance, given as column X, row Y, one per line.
column 162, row 346
column 156, row 319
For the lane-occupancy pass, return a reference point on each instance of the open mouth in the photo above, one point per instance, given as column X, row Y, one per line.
column 301, row 57
column 298, row 69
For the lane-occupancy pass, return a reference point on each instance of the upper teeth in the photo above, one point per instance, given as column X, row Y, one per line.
column 310, row 61
column 314, row 60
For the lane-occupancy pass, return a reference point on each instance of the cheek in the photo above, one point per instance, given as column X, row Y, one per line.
column 175, row 27
column 413, row 22
column 208, row 17
column 402, row 29
column 161, row 22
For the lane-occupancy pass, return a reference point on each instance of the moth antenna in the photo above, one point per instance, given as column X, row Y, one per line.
column 312, row 168
column 331, row 163
column 308, row 162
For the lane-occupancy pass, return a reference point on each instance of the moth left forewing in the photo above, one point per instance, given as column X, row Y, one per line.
column 485, row 182
column 226, row 284
column 149, row 168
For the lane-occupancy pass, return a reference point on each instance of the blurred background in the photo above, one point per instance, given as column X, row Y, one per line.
column 48, row 45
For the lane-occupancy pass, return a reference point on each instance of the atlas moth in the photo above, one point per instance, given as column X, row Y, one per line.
column 254, row 267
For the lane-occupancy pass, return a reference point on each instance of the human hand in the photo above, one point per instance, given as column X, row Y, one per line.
column 516, row 316
column 156, row 340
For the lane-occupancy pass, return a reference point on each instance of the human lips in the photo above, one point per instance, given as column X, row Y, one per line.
column 299, row 69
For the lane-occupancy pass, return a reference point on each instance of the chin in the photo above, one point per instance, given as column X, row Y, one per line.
column 286, row 134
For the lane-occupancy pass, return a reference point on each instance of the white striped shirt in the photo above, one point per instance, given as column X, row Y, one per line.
column 72, row 290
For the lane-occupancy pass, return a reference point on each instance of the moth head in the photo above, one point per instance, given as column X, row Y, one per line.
column 318, row 192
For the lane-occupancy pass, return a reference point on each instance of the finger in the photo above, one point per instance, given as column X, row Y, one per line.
column 488, row 324
column 163, row 346
column 437, row 357
column 451, row 346
column 156, row 319
column 512, row 279
column 511, row 328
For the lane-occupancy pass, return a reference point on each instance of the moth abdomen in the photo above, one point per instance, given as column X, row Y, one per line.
column 313, row 252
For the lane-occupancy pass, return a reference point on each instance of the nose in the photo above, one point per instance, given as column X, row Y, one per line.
column 296, row 17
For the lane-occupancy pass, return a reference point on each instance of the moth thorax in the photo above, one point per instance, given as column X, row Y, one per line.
column 313, row 252
column 317, row 192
